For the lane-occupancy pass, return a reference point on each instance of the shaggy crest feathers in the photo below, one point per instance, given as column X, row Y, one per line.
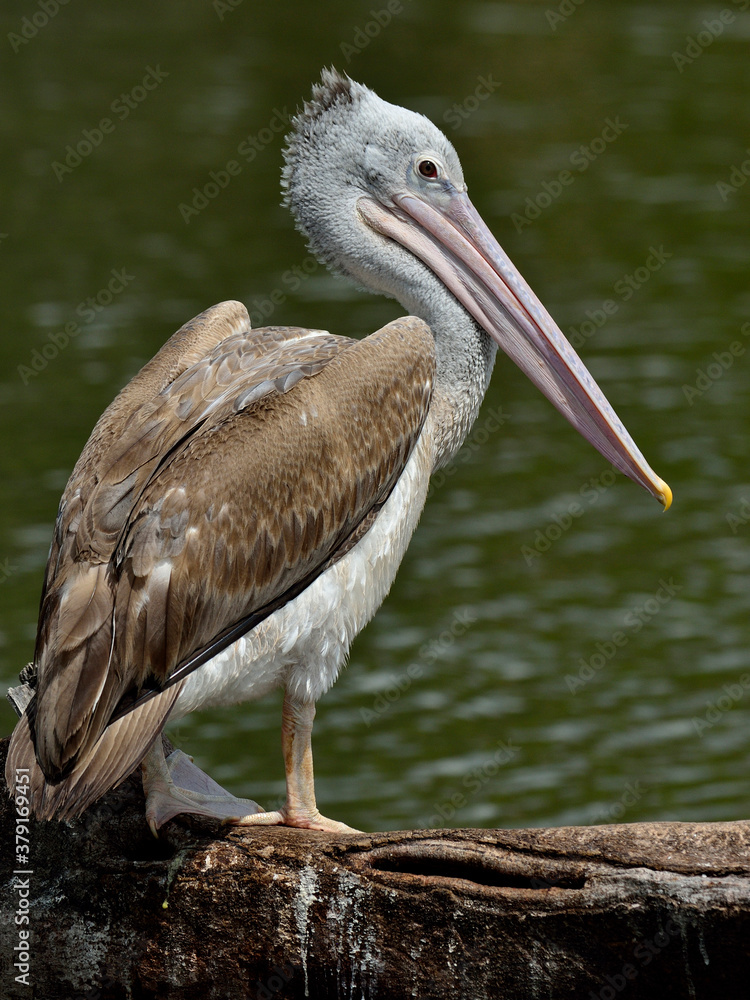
column 335, row 89
column 332, row 87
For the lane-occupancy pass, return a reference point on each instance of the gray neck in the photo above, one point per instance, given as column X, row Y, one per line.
column 465, row 357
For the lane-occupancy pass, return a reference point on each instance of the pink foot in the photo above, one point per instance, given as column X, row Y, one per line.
column 302, row 820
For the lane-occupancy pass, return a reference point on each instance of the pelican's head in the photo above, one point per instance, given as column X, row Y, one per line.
column 380, row 195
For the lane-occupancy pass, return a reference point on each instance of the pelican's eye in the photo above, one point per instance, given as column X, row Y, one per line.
column 428, row 168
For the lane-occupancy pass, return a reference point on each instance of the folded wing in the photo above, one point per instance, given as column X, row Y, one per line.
column 223, row 479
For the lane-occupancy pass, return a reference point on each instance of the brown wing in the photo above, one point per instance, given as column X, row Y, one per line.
column 215, row 497
column 188, row 346
column 165, row 403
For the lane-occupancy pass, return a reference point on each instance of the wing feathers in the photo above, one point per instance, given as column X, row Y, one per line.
column 208, row 494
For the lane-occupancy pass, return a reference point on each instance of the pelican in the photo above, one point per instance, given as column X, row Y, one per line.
column 241, row 508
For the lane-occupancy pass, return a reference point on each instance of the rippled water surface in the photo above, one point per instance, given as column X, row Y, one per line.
column 555, row 649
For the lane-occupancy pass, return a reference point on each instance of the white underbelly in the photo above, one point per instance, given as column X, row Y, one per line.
column 304, row 645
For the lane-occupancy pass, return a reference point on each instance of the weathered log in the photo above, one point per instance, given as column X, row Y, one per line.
column 638, row 910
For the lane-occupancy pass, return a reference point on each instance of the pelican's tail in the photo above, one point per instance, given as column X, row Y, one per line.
column 116, row 753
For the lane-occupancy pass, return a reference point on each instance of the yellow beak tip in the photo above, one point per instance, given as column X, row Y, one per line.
column 665, row 494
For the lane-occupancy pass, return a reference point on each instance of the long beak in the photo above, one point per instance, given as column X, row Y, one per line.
column 457, row 246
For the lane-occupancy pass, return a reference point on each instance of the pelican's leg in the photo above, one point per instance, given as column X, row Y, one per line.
column 299, row 809
column 176, row 785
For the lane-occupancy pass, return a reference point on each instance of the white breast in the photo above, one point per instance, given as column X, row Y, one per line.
column 303, row 645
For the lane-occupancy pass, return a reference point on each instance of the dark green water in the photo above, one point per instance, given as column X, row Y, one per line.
column 555, row 650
